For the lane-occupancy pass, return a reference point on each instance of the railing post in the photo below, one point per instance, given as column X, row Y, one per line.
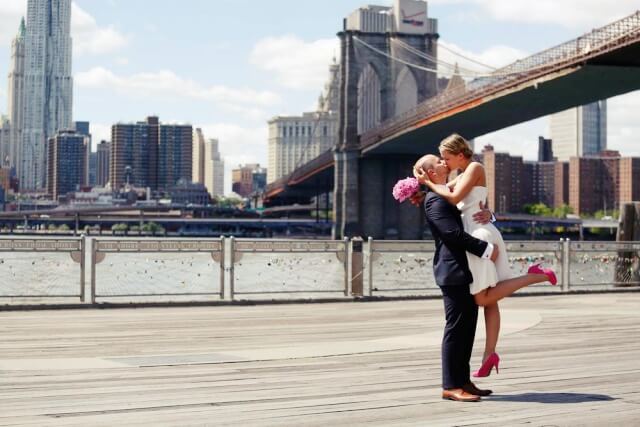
column 83, row 246
column 232, row 253
column 346, row 266
column 93, row 270
column 566, row 262
column 357, row 287
column 370, row 265
column 222, row 255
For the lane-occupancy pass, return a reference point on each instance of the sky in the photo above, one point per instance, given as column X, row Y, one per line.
column 228, row 66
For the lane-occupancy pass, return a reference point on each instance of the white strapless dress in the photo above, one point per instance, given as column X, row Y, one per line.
column 485, row 272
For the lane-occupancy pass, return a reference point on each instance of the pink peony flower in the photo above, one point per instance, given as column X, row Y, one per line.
column 405, row 188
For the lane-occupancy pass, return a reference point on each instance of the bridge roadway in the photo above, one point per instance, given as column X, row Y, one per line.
column 566, row 360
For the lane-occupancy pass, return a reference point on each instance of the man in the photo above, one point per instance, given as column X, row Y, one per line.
column 453, row 277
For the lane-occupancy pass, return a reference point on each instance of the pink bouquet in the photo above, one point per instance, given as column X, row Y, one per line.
column 405, row 188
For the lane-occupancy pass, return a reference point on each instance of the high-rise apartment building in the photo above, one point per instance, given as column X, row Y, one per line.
column 48, row 85
column 150, row 154
column 504, row 180
column 134, row 151
column 213, row 168
column 561, row 184
column 103, row 154
column 16, row 97
column 175, row 158
column 66, row 162
column 629, row 179
column 594, row 182
column 579, row 131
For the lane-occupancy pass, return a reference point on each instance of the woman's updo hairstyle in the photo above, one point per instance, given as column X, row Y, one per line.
column 455, row 144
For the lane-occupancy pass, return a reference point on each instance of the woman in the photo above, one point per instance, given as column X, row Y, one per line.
column 491, row 282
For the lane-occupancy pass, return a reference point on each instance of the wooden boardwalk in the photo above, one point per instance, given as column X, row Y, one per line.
column 567, row 360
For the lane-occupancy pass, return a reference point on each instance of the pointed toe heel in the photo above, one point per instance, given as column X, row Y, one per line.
column 537, row 269
column 485, row 370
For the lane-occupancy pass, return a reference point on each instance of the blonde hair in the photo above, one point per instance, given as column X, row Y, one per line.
column 455, row 144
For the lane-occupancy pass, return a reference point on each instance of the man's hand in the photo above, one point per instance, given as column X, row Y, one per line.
column 495, row 253
column 420, row 174
column 483, row 216
column 417, row 198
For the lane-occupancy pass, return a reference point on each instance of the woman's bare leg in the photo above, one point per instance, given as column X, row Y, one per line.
column 507, row 287
column 492, row 327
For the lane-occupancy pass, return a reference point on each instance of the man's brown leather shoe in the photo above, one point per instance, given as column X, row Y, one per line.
column 459, row 395
column 472, row 389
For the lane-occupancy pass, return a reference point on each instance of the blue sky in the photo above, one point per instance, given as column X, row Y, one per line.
column 229, row 65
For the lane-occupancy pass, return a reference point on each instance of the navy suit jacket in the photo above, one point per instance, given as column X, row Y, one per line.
column 450, row 264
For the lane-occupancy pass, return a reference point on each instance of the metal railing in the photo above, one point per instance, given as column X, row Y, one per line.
column 40, row 268
column 179, row 270
column 166, row 273
column 271, row 267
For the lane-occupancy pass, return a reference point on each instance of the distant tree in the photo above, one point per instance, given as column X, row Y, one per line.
column 562, row 211
column 538, row 209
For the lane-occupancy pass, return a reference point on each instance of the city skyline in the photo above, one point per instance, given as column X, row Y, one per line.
column 230, row 78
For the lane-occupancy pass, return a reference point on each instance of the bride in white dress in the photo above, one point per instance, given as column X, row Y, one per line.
column 491, row 281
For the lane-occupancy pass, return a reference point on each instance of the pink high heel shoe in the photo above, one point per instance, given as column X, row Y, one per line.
column 487, row 366
column 536, row 269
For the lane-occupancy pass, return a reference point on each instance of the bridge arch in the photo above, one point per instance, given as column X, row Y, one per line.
column 369, row 99
column 406, row 91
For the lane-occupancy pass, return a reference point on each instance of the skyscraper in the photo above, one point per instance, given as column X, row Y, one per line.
column 48, row 85
column 579, row 131
column 175, row 159
column 213, row 168
column 198, row 156
column 16, row 98
column 103, row 152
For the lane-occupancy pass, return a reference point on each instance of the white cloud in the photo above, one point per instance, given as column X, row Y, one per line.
column 90, row 38
column 295, row 63
column 494, row 56
column 166, row 83
column 238, row 145
column 575, row 14
column 623, row 126
column 10, row 13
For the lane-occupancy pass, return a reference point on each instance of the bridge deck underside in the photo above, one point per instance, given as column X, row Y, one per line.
column 548, row 95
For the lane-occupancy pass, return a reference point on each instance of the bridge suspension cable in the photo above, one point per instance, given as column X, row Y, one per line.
column 452, row 67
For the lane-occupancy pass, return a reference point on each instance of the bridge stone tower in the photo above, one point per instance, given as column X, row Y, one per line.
column 376, row 84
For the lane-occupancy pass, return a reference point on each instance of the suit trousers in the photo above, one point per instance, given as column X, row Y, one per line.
column 461, row 314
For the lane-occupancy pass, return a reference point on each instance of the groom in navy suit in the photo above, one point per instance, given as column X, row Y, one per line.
column 452, row 275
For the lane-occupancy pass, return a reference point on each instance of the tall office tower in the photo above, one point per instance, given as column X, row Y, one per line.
column 66, row 162
column 295, row 140
column 134, row 149
column 103, row 153
column 93, row 166
column 330, row 98
column 175, row 159
column 198, row 156
column 545, row 150
column 16, row 97
column 579, row 131
column 213, row 168
column 48, row 85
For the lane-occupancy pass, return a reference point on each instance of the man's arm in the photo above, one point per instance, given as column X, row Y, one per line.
column 440, row 217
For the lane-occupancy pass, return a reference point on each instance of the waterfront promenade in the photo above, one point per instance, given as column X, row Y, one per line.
column 567, row 360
